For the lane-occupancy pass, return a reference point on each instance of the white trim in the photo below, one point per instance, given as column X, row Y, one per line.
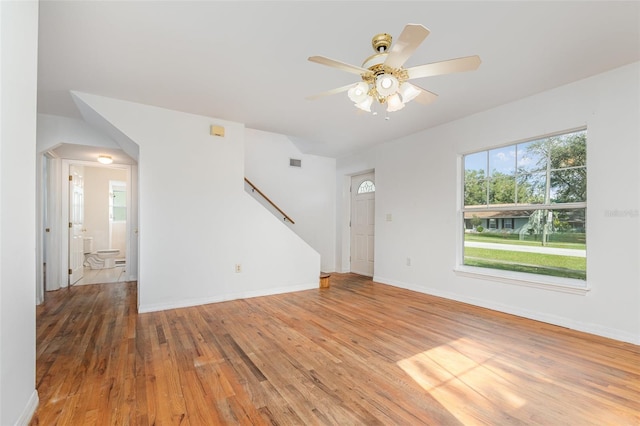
column 546, row 282
column 29, row 410
column 40, row 233
column 133, row 224
column 155, row 307
column 130, row 234
column 590, row 328
column 50, row 243
column 64, row 224
column 523, row 207
column 535, row 138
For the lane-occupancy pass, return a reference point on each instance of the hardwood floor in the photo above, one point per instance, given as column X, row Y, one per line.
column 356, row 353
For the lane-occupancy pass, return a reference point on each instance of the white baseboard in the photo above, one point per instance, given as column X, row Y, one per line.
column 590, row 328
column 29, row 410
column 155, row 307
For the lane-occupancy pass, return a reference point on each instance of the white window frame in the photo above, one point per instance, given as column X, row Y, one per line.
column 113, row 184
column 548, row 282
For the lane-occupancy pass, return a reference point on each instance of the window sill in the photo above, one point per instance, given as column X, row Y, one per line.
column 565, row 285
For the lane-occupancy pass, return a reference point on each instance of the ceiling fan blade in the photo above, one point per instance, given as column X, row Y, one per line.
column 330, row 92
column 425, row 97
column 406, row 44
column 468, row 63
column 340, row 65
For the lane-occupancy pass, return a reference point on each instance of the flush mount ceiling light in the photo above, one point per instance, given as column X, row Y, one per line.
column 105, row 159
column 385, row 80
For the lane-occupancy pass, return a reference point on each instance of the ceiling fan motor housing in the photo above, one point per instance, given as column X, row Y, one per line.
column 381, row 42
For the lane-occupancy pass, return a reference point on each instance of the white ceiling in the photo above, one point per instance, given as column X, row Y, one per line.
column 247, row 61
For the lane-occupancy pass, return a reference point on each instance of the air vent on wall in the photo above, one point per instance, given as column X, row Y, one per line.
column 293, row 162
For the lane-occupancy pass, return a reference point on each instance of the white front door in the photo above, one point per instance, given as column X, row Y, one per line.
column 362, row 223
column 76, row 223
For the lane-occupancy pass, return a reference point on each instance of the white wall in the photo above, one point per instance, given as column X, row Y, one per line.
column 417, row 182
column 18, row 80
column 54, row 130
column 132, row 221
column 96, row 206
column 196, row 221
column 306, row 194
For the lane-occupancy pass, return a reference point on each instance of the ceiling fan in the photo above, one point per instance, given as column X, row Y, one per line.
column 385, row 80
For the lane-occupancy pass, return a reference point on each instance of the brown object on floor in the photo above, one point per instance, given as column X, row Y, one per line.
column 362, row 353
column 324, row 280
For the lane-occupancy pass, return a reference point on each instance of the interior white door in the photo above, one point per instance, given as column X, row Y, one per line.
column 363, row 223
column 76, row 223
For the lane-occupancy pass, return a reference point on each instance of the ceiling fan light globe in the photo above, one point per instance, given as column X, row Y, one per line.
column 359, row 92
column 408, row 92
column 365, row 105
column 394, row 103
column 387, row 84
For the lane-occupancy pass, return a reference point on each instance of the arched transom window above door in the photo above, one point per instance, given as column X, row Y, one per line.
column 366, row 186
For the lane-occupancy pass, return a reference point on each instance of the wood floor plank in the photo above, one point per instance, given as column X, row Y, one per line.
column 358, row 352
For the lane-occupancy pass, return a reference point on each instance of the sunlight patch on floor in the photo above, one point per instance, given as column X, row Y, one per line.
column 464, row 386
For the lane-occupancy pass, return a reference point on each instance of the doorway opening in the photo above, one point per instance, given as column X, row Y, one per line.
column 98, row 223
column 86, row 235
column 363, row 193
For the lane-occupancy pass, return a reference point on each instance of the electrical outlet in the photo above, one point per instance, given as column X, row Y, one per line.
column 408, row 261
column 238, row 268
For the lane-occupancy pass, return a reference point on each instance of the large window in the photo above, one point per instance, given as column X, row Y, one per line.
column 525, row 205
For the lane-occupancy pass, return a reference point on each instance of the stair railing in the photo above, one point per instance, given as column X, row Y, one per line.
column 255, row 189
